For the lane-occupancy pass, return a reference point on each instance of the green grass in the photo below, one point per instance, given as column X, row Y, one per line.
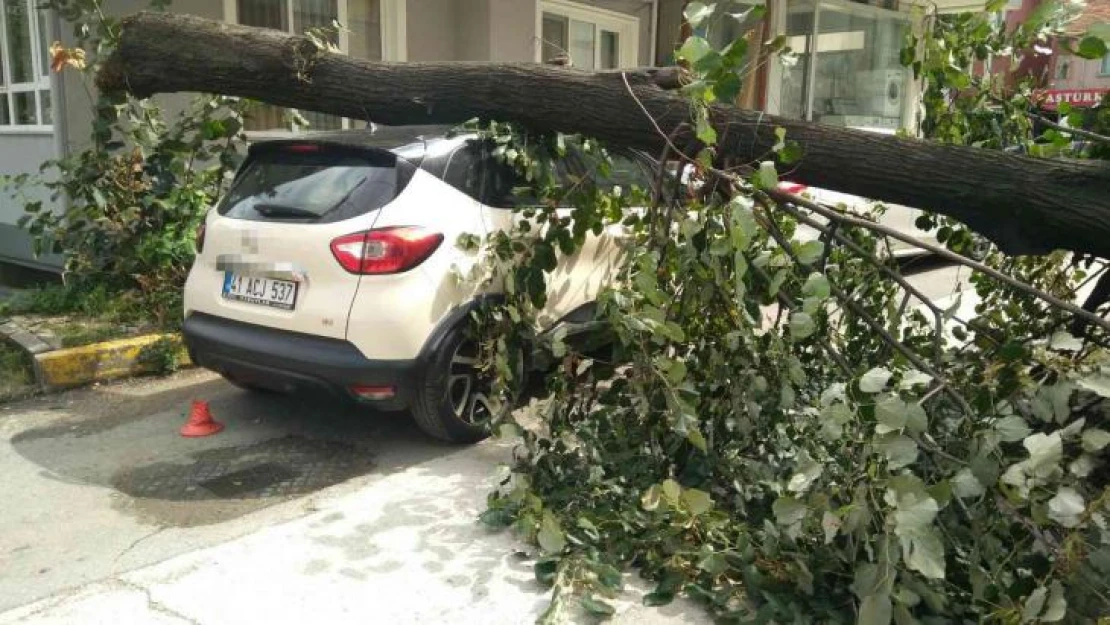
column 16, row 376
column 111, row 306
column 77, row 335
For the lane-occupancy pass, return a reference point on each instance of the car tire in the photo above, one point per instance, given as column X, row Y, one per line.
column 452, row 400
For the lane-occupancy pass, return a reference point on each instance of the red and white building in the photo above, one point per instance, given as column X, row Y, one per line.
column 1082, row 83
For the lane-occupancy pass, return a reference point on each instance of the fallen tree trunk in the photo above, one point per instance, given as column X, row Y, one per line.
column 1025, row 205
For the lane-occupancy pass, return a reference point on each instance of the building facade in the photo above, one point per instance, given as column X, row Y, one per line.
column 1082, row 83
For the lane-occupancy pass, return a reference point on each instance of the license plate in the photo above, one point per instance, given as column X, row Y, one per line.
column 261, row 291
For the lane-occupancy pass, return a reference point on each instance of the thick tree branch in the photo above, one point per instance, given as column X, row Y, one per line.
column 1024, row 205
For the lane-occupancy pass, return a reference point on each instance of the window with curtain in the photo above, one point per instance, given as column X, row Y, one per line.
column 361, row 19
column 24, row 65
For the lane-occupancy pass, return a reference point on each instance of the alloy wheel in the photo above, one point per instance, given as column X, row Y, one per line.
column 468, row 389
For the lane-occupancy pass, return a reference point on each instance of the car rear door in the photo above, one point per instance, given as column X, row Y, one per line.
column 268, row 256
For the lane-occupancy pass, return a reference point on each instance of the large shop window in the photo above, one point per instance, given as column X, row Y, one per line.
column 592, row 38
column 848, row 72
column 24, row 66
column 360, row 36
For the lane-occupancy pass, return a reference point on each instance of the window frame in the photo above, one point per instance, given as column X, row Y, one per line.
column 392, row 18
column 1104, row 68
column 626, row 26
column 910, row 87
column 42, row 82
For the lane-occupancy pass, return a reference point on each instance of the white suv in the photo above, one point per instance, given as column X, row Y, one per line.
column 331, row 263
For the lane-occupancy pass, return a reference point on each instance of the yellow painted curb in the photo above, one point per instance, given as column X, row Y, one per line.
column 110, row 360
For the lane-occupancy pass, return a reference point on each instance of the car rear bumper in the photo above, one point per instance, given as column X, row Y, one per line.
column 289, row 361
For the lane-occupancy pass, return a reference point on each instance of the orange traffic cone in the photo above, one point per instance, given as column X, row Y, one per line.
column 200, row 421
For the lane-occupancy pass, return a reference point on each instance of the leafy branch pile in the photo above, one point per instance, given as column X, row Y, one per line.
column 132, row 198
column 781, row 428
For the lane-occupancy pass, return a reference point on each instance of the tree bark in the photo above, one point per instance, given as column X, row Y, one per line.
column 1025, row 205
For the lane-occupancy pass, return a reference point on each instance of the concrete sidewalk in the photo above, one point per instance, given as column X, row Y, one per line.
column 403, row 549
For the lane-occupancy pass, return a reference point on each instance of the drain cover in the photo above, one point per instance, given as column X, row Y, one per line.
column 261, row 481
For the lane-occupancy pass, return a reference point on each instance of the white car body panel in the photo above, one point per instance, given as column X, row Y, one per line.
column 387, row 317
column 273, row 249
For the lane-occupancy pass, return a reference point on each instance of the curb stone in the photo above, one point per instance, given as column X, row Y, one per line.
column 109, row 360
column 58, row 368
column 27, row 340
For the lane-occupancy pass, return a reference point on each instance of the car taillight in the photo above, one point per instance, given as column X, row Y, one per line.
column 201, row 229
column 385, row 250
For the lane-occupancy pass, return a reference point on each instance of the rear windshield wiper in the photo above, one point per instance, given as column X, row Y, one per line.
column 282, row 210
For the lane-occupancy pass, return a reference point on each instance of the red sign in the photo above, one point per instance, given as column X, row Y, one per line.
column 1078, row 98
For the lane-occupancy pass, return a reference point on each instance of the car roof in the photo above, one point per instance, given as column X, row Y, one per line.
column 421, row 145
column 409, row 142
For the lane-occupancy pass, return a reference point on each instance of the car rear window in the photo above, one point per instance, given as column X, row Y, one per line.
column 314, row 186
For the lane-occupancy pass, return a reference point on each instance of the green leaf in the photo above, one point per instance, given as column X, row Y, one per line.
column 545, row 570
column 914, row 511
column 705, row 131
column 596, row 606
column 1057, row 607
column 714, row 564
column 1066, row 507
column 925, row 553
column 780, row 134
column 816, row 285
column 788, row 510
column 833, row 419
column 1062, row 340
column 694, row 49
column 874, row 380
column 808, row 470
column 810, row 252
column 875, row 610
column 890, row 415
column 651, row 498
column 550, row 536
column 697, row 12
column 831, row 524
column 801, row 325
column 697, row 501
column 966, row 485
column 1099, row 383
column 900, row 451
column 916, row 419
column 1034, row 604
column 1012, row 429
column 1095, row 439
column 656, row 599
column 1092, row 47
column 1045, row 450
column 671, row 491
column 768, row 176
column 791, row 153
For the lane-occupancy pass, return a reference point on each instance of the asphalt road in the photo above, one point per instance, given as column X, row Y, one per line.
column 96, row 482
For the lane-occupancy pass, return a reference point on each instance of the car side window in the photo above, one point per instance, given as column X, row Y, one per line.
column 626, row 172
column 464, row 171
column 505, row 188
